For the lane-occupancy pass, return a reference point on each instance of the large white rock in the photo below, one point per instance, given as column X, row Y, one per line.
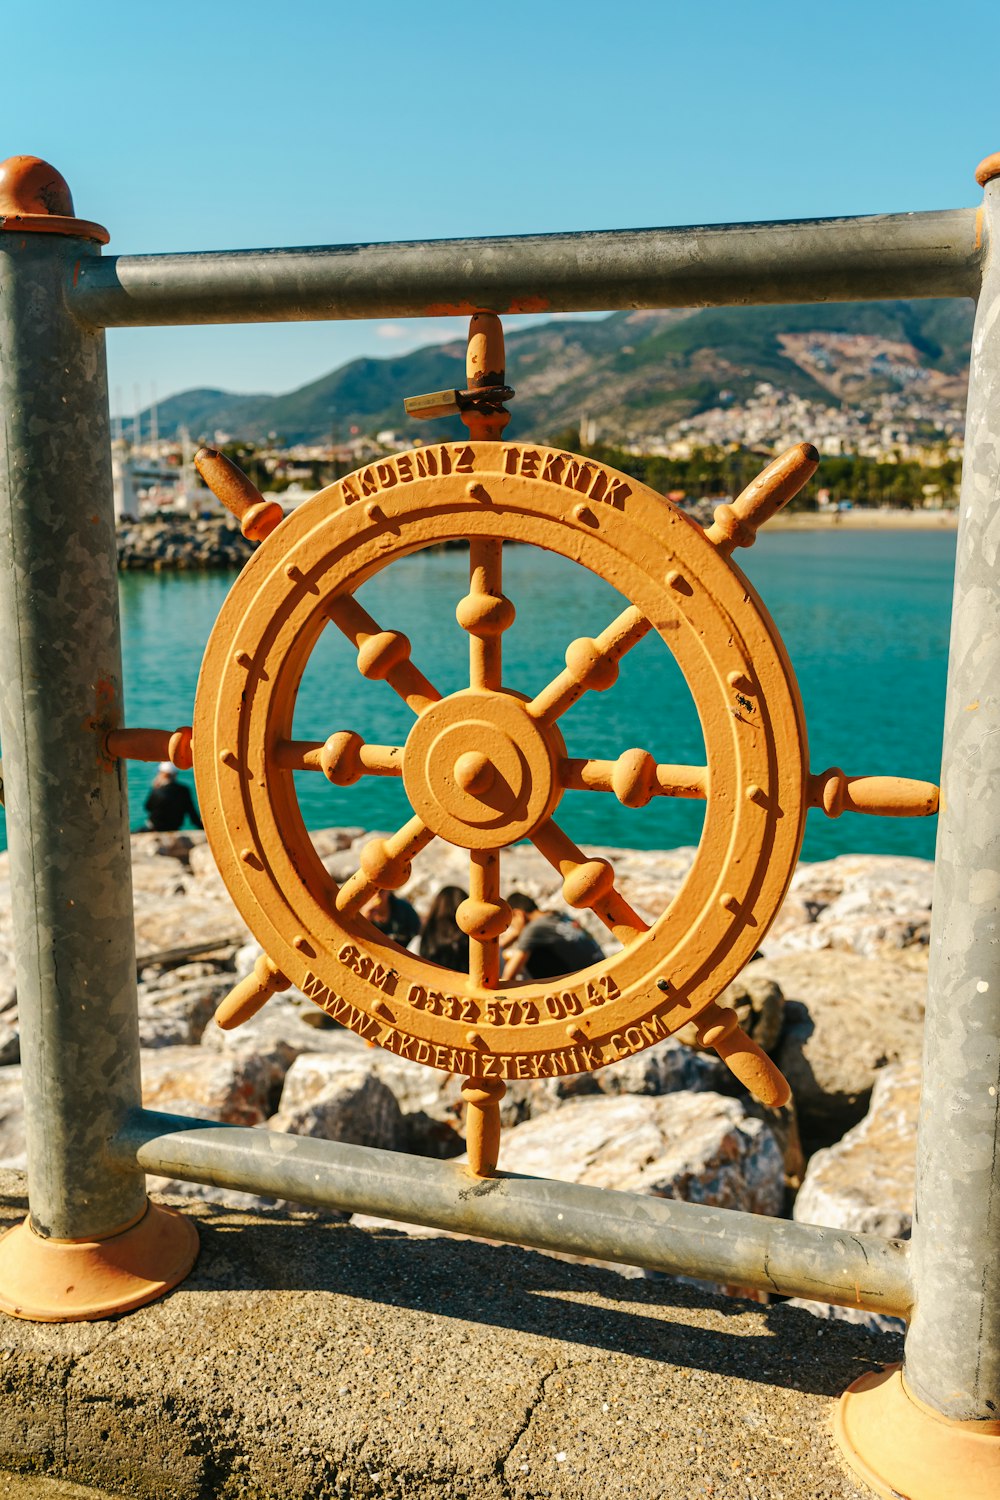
column 175, row 1080
column 6, row 932
column 353, row 1105
column 426, row 1101
column 287, row 1025
column 175, row 1006
column 701, row 1148
column 10, row 1042
column 8, row 981
column 175, row 907
column 867, row 1180
column 11, row 1119
column 237, row 1087
column 869, row 904
column 850, row 1016
column 179, row 898
column 326, row 841
column 861, row 903
column 667, row 1067
column 846, row 1018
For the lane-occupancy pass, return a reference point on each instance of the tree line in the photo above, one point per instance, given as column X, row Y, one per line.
column 709, row 472
column 905, row 484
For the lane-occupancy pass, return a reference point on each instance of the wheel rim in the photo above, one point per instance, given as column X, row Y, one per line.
column 705, row 612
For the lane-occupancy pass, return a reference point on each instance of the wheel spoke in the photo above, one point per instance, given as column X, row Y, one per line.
column 883, row 796
column 484, row 612
column 736, row 525
column 591, row 665
column 343, row 758
column 635, row 778
column 483, row 917
column 588, row 882
column 385, row 865
column 382, row 653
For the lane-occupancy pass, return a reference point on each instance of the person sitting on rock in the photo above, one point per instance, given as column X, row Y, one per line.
column 169, row 802
column 544, row 944
column 393, row 917
column 442, row 941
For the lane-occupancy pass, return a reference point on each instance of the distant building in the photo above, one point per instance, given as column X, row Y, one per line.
column 123, row 484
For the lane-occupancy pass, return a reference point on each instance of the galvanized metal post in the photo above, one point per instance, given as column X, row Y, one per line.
column 953, row 1350
column 936, row 1429
column 60, row 690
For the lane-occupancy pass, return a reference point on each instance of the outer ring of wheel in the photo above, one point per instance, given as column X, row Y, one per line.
column 702, row 607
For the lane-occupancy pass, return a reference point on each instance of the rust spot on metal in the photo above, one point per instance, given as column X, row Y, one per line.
column 529, row 305
column 449, row 309
column 104, row 720
column 481, row 405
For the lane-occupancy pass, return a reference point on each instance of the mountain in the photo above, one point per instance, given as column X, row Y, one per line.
column 634, row 373
column 202, row 410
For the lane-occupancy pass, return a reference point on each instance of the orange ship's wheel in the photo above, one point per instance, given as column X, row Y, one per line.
column 485, row 767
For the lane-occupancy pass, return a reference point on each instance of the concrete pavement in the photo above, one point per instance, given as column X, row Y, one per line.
column 305, row 1358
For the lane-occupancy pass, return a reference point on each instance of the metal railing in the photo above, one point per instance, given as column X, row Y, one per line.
column 89, row 1141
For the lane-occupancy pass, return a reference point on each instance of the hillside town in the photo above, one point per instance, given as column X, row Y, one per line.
column 911, row 423
column 916, row 425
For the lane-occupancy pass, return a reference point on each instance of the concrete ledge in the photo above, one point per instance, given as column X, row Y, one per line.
column 304, row 1358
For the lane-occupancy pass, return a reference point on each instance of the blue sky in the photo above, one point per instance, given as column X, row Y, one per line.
column 220, row 125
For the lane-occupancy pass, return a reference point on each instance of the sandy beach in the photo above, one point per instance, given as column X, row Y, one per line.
column 866, row 519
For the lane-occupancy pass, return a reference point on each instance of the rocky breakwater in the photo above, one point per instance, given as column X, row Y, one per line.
column 836, row 997
column 181, row 544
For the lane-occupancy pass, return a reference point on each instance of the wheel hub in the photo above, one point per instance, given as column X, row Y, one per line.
column 480, row 771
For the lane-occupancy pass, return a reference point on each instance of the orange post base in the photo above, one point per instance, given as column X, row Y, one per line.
column 906, row 1451
column 80, row 1281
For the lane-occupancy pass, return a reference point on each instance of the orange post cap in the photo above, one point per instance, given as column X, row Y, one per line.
column 36, row 199
column 900, row 1447
column 988, row 168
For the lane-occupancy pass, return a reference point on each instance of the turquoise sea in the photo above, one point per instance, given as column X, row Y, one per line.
column 864, row 616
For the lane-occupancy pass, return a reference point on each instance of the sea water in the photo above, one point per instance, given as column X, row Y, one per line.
column 864, row 616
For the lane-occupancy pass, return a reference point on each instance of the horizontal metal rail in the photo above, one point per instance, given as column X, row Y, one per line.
column 659, row 1234
column 935, row 254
